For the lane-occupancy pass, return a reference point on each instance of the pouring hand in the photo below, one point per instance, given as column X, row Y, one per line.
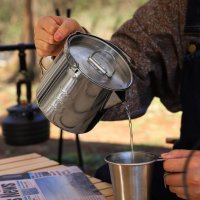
column 174, row 164
column 51, row 32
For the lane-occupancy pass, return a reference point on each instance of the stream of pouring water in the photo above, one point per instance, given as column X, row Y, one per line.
column 130, row 127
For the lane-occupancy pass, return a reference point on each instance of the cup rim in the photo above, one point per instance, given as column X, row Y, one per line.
column 154, row 158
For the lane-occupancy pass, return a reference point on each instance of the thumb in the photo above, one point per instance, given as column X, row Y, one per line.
column 67, row 27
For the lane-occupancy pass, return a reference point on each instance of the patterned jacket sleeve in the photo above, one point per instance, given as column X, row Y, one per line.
column 153, row 39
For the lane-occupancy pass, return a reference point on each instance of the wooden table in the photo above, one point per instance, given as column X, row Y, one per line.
column 34, row 161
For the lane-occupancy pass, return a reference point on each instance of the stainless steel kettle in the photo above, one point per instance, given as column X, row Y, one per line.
column 75, row 89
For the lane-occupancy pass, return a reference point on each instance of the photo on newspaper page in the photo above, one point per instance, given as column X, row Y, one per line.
column 61, row 183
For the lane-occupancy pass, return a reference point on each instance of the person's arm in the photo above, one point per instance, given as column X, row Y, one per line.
column 174, row 165
column 153, row 39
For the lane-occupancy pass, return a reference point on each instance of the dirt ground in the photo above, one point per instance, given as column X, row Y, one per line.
column 149, row 133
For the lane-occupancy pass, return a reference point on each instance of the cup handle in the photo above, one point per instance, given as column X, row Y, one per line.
column 160, row 159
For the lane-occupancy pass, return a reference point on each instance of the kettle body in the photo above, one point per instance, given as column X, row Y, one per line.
column 25, row 125
column 75, row 89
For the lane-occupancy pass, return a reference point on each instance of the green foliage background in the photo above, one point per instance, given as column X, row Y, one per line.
column 100, row 17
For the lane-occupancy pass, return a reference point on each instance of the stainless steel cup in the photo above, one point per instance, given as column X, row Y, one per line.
column 131, row 174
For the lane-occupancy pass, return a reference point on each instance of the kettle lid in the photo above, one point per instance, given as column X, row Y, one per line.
column 100, row 61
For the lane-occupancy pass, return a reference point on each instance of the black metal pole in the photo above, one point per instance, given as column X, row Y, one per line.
column 22, row 55
column 57, row 12
column 60, row 147
column 79, row 151
column 19, row 47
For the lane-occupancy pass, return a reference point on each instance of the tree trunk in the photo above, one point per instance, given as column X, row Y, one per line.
column 28, row 37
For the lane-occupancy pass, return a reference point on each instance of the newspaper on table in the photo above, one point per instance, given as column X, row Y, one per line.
column 62, row 183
